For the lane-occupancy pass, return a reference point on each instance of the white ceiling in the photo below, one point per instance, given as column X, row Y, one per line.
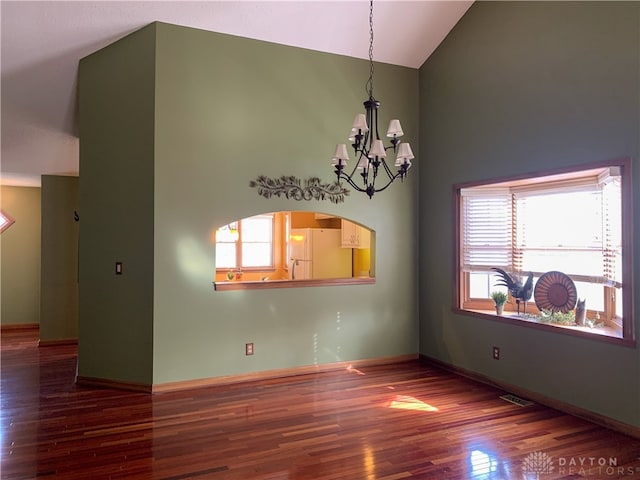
column 42, row 43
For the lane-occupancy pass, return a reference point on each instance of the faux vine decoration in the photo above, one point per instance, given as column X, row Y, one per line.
column 291, row 187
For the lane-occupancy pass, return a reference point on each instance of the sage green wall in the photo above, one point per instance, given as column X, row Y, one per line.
column 59, row 258
column 227, row 110
column 116, row 99
column 521, row 87
column 20, row 256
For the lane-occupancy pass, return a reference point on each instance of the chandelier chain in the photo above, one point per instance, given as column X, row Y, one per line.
column 370, row 81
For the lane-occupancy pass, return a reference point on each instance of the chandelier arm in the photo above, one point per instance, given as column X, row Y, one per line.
column 349, row 180
column 375, row 114
column 386, row 185
column 393, row 146
column 350, row 177
column 390, row 173
column 353, row 171
column 370, row 187
column 365, row 146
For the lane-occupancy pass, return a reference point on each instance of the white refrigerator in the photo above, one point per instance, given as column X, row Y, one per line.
column 317, row 253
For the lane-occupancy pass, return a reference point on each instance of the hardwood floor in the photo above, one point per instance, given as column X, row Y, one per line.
column 388, row 422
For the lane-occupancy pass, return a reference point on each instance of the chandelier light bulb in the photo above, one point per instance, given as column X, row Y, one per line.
column 403, row 161
column 377, row 150
column 341, row 152
column 404, row 152
column 363, row 163
column 360, row 123
column 394, row 130
column 340, row 156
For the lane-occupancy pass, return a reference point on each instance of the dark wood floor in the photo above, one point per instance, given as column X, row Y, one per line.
column 388, row 422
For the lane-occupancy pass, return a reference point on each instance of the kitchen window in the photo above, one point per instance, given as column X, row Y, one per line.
column 577, row 222
column 246, row 244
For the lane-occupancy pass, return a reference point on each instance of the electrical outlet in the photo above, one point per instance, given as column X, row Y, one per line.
column 248, row 349
column 496, row 353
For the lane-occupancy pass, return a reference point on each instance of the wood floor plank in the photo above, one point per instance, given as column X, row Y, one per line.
column 391, row 422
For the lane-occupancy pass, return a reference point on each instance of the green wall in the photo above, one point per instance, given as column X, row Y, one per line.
column 116, row 99
column 522, row 87
column 227, row 109
column 59, row 258
column 20, row 256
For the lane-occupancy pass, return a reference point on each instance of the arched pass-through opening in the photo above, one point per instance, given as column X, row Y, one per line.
column 293, row 249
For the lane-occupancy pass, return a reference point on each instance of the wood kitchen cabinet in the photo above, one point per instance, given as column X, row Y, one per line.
column 355, row 236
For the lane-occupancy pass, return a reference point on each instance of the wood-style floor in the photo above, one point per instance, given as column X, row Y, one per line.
column 388, row 422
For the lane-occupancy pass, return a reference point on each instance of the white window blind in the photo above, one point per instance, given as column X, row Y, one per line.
column 560, row 230
column 486, row 229
column 571, row 226
column 612, row 231
column 257, row 240
column 247, row 243
column 226, row 240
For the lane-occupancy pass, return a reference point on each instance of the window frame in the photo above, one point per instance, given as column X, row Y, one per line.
column 238, row 247
column 482, row 308
column 7, row 221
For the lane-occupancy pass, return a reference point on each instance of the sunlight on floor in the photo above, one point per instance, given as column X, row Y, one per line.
column 352, row 369
column 482, row 463
column 369, row 463
column 407, row 402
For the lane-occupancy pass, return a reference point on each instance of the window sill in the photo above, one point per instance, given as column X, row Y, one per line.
column 263, row 285
column 605, row 334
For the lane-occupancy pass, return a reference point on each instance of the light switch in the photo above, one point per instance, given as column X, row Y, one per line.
column 118, row 268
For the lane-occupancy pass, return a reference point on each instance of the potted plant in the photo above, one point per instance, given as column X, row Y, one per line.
column 499, row 298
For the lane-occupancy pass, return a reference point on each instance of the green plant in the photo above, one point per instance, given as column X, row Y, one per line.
column 560, row 318
column 499, row 298
column 594, row 323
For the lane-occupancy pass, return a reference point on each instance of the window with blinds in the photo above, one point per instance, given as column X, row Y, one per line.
column 247, row 243
column 487, row 229
column 569, row 222
column 612, row 236
column 562, row 230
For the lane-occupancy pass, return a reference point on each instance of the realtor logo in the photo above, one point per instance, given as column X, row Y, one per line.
column 537, row 463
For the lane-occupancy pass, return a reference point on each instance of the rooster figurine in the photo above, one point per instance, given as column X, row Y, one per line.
column 517, row 290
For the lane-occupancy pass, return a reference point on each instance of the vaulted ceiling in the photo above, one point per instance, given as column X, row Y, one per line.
column 42, row 43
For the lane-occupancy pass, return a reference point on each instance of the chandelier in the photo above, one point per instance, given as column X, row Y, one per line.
column 369, row 150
